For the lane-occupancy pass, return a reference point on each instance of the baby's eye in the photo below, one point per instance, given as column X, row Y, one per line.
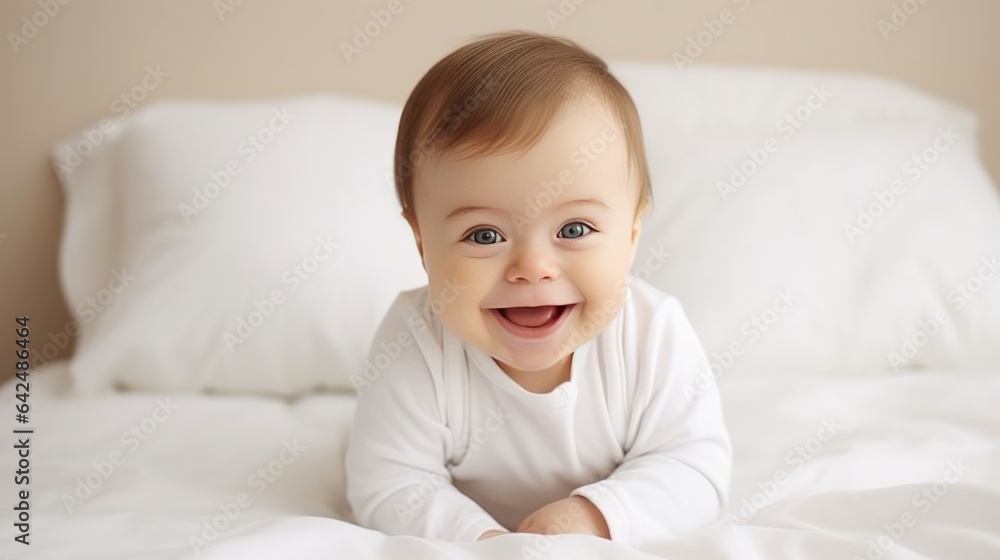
column 575, row 229
column 485, row 236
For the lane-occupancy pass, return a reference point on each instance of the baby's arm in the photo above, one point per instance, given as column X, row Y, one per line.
column 675, row 476
column 397, row 482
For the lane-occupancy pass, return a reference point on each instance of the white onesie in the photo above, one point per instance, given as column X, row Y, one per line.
column 445, row 445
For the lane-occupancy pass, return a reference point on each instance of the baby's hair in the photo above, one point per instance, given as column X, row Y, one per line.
column 499, row 94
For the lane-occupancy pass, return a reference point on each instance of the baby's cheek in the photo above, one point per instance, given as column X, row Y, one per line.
column 604, row 301
column 601, row 276
column 468, row 279
column 455, row 294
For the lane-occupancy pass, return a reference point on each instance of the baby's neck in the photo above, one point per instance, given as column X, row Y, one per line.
column 543, row 381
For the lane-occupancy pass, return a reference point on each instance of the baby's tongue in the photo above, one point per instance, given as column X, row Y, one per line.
column 531, row 316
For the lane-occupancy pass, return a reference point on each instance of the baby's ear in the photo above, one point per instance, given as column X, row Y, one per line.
column 637, row 224
column 636, row 234
column 412, row 220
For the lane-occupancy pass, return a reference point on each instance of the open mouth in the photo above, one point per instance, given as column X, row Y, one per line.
column 532, row 322
column 533, row 317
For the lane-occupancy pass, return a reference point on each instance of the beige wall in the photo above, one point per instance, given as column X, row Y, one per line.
column 69, row 74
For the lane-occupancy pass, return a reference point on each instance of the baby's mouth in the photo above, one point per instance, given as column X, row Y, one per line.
column 533, row 317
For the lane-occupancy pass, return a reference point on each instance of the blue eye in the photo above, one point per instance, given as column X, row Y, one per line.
column 575, row 229
column 485, row 237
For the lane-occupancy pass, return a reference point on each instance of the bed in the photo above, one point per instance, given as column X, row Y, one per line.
column 917, row 448
column 833, row 238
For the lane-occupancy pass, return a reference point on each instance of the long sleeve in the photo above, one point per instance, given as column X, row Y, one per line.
column 397, row 481
column 675, row 475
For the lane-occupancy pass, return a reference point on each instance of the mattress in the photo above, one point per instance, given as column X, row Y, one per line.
column 894, row 467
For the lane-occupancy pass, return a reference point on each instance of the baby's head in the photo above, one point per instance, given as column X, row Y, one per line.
column 521, row 169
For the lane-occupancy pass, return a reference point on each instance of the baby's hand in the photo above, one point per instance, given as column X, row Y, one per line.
column 575, row 514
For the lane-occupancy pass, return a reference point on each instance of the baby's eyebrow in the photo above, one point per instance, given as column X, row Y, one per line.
column 466, row 209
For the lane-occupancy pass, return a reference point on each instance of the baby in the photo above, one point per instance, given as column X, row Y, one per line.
column 534, row 385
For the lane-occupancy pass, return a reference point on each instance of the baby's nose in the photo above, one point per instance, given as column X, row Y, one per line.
column 532, row 265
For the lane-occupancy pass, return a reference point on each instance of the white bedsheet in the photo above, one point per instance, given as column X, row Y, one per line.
column 829, row 468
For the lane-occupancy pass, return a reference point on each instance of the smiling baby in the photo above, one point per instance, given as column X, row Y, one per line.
column 534, row 385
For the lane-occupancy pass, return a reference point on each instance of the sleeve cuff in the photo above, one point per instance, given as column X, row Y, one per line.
column 472, row 529
column 600, row 494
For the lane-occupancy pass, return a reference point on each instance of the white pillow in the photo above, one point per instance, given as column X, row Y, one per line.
column 782, row 230
column 89, row 251
column 863, row 303
column 263, row 241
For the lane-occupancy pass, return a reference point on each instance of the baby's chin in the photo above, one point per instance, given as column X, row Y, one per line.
column 527, row 360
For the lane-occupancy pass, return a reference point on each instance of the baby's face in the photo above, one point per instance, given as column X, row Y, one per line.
column 553, row 227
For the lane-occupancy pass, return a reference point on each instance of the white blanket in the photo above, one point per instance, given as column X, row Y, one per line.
column 900, row 467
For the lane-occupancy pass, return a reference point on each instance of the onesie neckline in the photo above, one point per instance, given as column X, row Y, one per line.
column 561, row 395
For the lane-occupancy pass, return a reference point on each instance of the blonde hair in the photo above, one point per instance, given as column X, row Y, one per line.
column 499, row 94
